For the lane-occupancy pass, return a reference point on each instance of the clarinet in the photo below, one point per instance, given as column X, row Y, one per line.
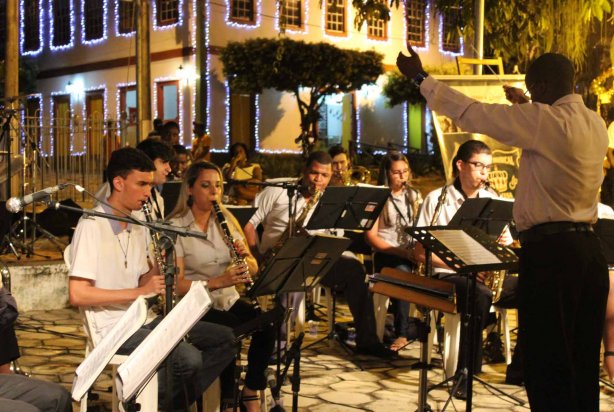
column 159, row 300
column 236, row 258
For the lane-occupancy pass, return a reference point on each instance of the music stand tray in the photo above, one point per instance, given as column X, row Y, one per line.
column 490, row 215
column 301, row 262
column 242, row 213
column 349, row 207
column 170, row 194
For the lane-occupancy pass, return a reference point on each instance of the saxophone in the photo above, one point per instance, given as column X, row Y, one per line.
column 236, row 258
column 159, row 301
column 298, row 229
column 495, row 278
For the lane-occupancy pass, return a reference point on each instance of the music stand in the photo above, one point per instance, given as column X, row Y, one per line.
column 490, row 215
column 349, row 207
column 170, row 194
column 467, row 250
column 242, row 213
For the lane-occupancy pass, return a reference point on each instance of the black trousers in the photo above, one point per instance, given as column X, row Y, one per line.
column 260, row 348
column 348, row 275
column 21, row 394
column 563, row 291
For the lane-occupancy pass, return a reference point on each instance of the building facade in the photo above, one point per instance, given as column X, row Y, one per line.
column 84, row 50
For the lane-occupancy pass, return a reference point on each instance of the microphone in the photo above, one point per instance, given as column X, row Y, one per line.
column 16, row 204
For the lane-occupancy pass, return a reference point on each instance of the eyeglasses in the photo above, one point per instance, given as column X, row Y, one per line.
column 481, row 166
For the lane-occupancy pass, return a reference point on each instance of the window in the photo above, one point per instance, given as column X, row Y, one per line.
column 94, row 119
column 31, row 30
column 126, row 13
column 167, row 12
column 450, row 40
column 242, row 118
column 94, row 19
column 61, row 23
column 242, row 10
column 168, row 100
column 291, row 14
column 335, row 16
column 415, row 11
column 376, row 28
column 61, row 129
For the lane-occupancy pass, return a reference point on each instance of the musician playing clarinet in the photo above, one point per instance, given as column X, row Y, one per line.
column 210, row 260
column 471, row 165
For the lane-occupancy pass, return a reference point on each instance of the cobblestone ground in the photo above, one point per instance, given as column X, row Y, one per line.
column 52, row 344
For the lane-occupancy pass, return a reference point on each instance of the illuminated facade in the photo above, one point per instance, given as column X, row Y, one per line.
column 83, row 49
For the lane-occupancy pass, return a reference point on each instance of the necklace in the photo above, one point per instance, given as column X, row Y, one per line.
column 124, row 251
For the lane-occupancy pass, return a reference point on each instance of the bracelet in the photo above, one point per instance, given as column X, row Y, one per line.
column 419, row 78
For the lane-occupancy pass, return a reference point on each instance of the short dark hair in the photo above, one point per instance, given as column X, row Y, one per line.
column 319, row 156
column 157, row 149
column 386, row 165
column 126, row 160
column 180, row 149
column 553, row 68
column 466, row 150
column 233, row 148
column 337, row 150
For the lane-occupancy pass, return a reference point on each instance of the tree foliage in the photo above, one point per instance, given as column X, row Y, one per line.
column 400, row 89
column 304, row 69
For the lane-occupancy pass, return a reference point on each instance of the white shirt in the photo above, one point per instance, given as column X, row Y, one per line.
column 454, row 200
column 104, row 192
column 563, row 148
column 395, row 234
column 207, row 259
column 98, row 251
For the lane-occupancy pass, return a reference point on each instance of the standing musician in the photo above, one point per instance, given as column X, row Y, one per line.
column 563, row 272
column 109, row 269
column 347, row 273
column 210, row 260
column 240, row 168
column 471, row 165
column 392, row 245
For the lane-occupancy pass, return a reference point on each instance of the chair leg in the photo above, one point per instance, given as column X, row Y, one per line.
column 506, row 335
column 451, row 343
column 211, row 397
column 380, row 306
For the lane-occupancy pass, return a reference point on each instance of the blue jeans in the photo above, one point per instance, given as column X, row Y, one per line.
column 195, row 365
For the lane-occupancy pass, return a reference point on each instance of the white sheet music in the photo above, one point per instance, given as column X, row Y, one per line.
column 469, row 250
column 97, row 359
column 135, row 371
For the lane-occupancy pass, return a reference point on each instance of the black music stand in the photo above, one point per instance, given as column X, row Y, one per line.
column 301, row 262
column 170, row 194
column 490, row 215
column 467, row 250
column 242, row 213
column 349, row 207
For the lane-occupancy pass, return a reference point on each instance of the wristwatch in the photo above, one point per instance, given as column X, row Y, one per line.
column 419, row 78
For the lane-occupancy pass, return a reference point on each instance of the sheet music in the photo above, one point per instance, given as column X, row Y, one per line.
column 145, row 359
column 469, row 250
column 97, row 359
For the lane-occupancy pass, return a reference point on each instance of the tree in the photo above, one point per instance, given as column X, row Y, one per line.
column 291, row 66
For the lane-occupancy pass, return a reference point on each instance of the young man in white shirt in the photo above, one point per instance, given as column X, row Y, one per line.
column 563, row 274
column 347, row 274
column 109, row 269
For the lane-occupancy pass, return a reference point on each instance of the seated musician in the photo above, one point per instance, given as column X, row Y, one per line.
column 392, row 245
column 109, row 269
column 241, row 169
column 342, row 166
column 347, row 273
column 471, row 165
column 210, row 260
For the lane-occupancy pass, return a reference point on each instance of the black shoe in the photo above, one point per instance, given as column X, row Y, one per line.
column 513, row 378
column 378, row 350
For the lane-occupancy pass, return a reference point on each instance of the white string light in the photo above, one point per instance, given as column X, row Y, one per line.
column 71, row 27
column 179, row 21
column 105, row 12
column 179, row 92
column 117, row 32
column 103, row 89
column 250, row 25
column 304, row 29
column 22, row 26
column 427, row 30
column 441, row 40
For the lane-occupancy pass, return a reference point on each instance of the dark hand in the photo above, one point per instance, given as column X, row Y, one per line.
column 409, row 66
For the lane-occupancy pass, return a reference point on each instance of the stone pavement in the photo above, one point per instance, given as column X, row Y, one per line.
column 52, row 345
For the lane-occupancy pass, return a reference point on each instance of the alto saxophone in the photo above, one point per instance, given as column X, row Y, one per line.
column 159, row 302
column 236, row 258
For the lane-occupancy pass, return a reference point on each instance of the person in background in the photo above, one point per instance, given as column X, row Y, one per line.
column 240, row 169
column 342, row 166
column 180, row 162
column 201, row 144
column 170, row 132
